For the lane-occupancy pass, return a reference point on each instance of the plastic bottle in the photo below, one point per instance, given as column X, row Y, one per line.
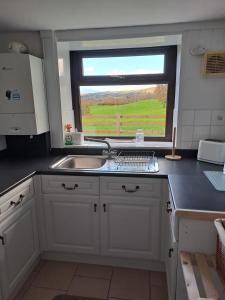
column 139, row 136
column 68, row 135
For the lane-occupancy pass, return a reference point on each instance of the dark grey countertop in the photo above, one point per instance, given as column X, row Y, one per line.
column 189, row 186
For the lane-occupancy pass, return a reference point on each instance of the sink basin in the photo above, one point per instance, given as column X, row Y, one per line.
column 80, row 162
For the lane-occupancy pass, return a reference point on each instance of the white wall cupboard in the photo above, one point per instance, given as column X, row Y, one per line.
column 23, row 107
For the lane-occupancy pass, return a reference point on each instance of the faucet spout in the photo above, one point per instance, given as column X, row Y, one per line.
column 109, row 148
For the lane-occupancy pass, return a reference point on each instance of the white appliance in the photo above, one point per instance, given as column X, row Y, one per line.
column 23, row 106
column 212, row 151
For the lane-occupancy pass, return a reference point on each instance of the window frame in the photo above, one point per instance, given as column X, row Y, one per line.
column 168, row 77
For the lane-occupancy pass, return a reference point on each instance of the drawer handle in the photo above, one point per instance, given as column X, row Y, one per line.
column 21, row 197
column 2, row 239
column 69, row 188
column 130, row 191
column 170, row 252
column 168, row 207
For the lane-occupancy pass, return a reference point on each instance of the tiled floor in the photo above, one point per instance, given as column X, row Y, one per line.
column 51, row 278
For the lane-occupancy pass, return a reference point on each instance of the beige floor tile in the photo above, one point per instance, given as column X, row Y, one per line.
column 55, row 275
column 29, row 280
column 89, row 287
column 40, row 265
column 94, row 271
column 35, row 293
column 158, row 293
column 158, row 278
column 129, row 284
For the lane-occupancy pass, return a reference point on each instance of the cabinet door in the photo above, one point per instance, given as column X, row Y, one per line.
column 20, row 248
column 171, row 266
column 72, row 223
column 130, row 227
column 171, row 252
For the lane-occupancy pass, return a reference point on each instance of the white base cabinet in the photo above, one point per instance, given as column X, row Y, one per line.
column 171, row 247
column 72, row 223
column 130, row 217
column 19, row 246
column 130, row 227
column 108, row 215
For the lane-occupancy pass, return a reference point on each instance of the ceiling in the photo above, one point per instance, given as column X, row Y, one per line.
column 76, row 14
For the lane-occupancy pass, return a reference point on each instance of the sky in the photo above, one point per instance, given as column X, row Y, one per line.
column 145, row 64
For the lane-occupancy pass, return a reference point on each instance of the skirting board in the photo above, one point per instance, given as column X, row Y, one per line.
column 25, row 278
column 104, row 260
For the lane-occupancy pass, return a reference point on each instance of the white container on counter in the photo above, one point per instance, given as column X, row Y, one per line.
column 77, row 138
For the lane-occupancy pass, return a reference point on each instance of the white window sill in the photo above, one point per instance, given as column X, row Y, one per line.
column 123, row 145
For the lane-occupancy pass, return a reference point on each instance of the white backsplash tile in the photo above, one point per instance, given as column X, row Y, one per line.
column 217, row 132
column 187, row 133
column 201, row 132
column 218, row 117
column 188, row 117
column 202, row 117
column 195, row 144
column 186, row 145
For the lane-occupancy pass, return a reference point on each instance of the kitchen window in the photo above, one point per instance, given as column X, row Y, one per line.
column 115, row 92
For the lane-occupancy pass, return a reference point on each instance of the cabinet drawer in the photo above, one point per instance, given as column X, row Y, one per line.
column 84, row 185
column 19, row 195
column 131, row 187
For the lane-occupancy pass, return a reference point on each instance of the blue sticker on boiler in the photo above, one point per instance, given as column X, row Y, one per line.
column 13, row 95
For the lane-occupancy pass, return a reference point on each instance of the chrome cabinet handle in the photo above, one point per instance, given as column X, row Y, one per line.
column 168, row 208
column 21, row 197
column 69, row 188
column 130, row 191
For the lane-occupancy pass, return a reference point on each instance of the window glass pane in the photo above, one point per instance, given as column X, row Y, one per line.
column 124, row 65
column 122, row 109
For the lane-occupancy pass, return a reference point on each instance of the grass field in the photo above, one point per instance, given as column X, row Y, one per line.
column 152, row 126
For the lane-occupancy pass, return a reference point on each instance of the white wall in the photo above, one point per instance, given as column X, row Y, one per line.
column 53, row 88
column 201, row 110
column 65, row 84
column 31, row 39
column 202, row 99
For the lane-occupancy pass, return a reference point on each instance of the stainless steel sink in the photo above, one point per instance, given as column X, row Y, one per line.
column 80, row 162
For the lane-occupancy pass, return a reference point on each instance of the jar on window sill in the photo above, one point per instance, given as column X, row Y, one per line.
column 139, row 136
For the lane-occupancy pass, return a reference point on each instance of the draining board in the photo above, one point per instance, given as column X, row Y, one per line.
column 217, row 179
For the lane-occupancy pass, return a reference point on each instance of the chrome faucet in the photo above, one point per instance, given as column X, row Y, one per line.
column 110, row 152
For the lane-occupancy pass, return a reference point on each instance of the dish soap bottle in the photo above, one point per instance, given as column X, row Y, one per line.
column 68, row 135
